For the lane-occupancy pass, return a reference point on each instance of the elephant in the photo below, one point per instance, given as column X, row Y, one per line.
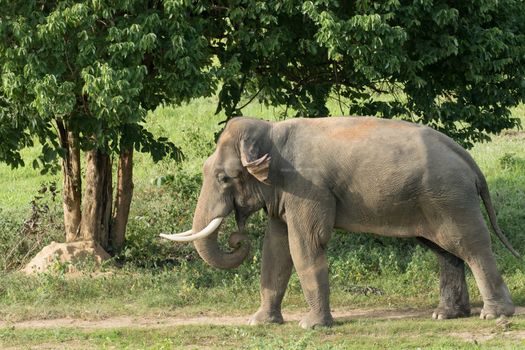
column 358, row 174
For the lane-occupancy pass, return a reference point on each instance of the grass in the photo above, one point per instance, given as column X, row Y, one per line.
column 195, row 290
column 160, row 279
column 358, row 334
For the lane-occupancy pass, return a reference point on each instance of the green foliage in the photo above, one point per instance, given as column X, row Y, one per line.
column 357, row 258
column 422, row 260
column 95, row 68
column 171, row 209
column 509, row 161
column 98, row 67
column 458, row 67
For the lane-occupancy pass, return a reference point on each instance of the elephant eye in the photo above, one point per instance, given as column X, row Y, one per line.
column 223, row 178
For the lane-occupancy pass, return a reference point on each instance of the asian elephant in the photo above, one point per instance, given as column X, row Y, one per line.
column 359, row 174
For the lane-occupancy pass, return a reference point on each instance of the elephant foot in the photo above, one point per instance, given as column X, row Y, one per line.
column 265, row 316
column 493, row 311
column 445, row 313
column 313, row 320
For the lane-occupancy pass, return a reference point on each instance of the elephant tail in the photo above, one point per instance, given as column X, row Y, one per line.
column 485, row 196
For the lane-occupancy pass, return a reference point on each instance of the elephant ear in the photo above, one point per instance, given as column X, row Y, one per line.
column 257, row 166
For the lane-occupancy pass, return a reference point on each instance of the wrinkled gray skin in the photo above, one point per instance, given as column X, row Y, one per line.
column 359, row 174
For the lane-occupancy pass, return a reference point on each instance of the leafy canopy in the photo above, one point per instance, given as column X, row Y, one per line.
column 96, row 67
column 457, row 66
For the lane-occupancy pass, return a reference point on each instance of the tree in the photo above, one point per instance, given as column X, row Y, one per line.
column 79, row 77
column 457, row 66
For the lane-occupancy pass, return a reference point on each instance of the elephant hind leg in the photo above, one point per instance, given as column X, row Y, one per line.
column 496, row 295
column 453, row 291
column 469, row 239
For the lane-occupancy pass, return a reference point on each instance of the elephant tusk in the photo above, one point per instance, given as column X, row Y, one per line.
column 188, row 237
column 182, row 234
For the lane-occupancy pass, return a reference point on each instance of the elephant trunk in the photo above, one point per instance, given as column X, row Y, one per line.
column 208, row 247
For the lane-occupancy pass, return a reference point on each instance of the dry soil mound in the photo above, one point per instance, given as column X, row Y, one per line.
column 73, row 253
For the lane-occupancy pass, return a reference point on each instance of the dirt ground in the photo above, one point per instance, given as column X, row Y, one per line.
column 149, row 322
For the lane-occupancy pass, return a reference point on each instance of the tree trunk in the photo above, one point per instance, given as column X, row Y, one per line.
column 96, row 206
column 72, row 186
column 88, row 217
column 123, row 198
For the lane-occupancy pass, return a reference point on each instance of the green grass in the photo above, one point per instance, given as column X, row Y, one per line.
column 182, row 291
column 195, row 289
column 21, row 184
column 358, row 334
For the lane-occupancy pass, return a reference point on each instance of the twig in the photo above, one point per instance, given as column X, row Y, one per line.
column 251, row 99
column 338, row 89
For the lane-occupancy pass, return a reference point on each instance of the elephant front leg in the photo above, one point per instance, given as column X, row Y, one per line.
column 313, row 274
column 307, row 246
column 275, row 273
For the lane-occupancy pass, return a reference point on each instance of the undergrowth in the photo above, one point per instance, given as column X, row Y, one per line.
column 20, row 240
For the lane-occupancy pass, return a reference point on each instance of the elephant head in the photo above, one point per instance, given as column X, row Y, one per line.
column 234, row 179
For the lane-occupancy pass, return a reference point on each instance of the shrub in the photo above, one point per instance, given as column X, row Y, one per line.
column 19, row 241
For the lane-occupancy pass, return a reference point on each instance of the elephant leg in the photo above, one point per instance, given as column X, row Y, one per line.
column 474, row 248
column 308, row 236
column 496, row 295
column 453, row 290
column 275, row 273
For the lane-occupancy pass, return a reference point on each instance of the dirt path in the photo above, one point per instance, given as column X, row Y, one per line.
column 166, row 322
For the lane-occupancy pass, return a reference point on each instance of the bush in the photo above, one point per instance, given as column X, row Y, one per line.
column 19, row 241
column 165, row 206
